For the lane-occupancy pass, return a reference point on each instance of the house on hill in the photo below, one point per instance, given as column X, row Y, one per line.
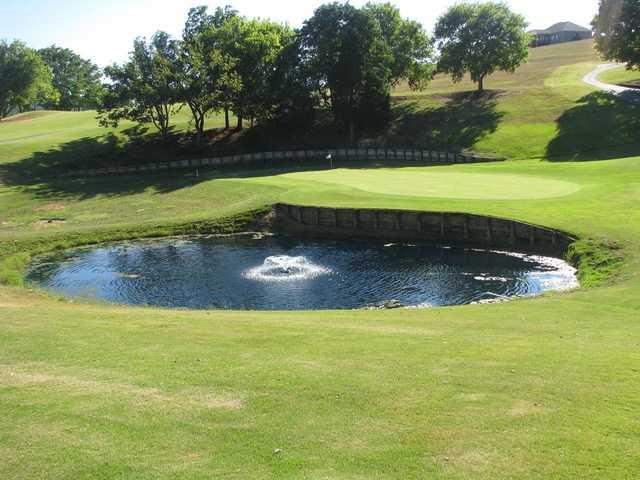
column 560, row 33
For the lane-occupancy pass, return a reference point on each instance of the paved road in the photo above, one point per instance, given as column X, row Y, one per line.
column 592, row 79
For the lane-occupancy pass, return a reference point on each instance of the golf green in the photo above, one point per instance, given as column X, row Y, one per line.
column 420, row 182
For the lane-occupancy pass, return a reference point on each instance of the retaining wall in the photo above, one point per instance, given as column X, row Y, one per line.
column 441, row 228
column 293, row 157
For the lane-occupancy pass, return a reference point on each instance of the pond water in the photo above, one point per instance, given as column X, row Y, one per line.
column 289, row 273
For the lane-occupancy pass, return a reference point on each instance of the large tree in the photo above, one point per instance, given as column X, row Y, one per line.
column 356, row 55
column 24, row 78
column 78, row 81
column 480, row 39
column 617, row 28
column 411, row 47
column 207, row 77
column 201, row 22
column 146, row 88
column 291, row 99
column 255, row 45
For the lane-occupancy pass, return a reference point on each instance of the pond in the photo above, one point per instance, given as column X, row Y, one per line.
column 257, row 272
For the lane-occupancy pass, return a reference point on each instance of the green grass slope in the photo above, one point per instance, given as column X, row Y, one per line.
column 48, row 142
column 621, row 76
column 536, row 388
column 530, row 114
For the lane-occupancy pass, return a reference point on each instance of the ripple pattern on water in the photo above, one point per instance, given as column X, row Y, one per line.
column 289, row 273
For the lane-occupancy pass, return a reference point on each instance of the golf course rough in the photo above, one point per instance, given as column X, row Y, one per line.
column 537, row 388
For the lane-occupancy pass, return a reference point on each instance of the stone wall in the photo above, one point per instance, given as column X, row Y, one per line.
column 431, row 227
column 293, row 157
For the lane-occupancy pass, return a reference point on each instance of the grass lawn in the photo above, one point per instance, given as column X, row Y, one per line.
column 536, row 388
column 24, row 136
column 444, row 183
column 620, row 76
column 517, row 118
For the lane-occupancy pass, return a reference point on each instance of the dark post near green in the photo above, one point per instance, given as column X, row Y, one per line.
column 480, row 39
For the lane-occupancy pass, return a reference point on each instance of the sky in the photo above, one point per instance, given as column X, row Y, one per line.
column 104, row 30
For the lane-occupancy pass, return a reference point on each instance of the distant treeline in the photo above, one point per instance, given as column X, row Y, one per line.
column 52, row 78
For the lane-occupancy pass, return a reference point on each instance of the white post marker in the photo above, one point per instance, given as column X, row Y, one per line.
column 330, row 159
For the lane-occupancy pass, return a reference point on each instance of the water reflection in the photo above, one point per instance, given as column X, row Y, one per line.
column 288, row 273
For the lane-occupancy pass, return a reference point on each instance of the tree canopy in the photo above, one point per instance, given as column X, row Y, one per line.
column 355, row 55
column 206, row 74
column 146, row 88
column 411, row 47
column 617, row 27
column 480, row 39
column 25, row 80
column 255, row 46
column 77, row 81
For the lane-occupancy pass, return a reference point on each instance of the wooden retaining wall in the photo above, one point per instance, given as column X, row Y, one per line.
column 441, row 228
column 293, row 157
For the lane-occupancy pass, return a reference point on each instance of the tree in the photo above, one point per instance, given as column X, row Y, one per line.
column 348, row 59
column 207, row 79
column 145, row 89
column 481, row 39
column 24, row 78
column 290, row 103
column 356, row 55
column 617, row 27
column 412, row 49
column 255, row 45
column 199, row 21
column 77, row 81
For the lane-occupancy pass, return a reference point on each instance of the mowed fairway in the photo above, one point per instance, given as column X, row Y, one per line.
column 545, row 388
column 443, row 183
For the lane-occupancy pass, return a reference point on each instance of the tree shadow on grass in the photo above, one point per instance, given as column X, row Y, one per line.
column 459, row 124
column 43, row 173
column 601, row 126
column 130, row 146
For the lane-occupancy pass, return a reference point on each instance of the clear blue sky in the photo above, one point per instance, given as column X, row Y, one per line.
column 103, row 30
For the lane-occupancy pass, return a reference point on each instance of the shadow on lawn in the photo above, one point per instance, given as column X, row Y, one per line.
column 601, row 126
column 459, row 124
column 41, row 173
column 133, row 145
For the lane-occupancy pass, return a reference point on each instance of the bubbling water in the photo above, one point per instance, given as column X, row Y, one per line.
column 283, row 268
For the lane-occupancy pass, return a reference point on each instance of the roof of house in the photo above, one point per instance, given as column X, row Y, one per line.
column 566, row 27
column 561, row 27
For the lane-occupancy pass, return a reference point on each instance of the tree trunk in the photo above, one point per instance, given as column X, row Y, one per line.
column 199, row 133
column 226, row 118
column 352, row 132
column 240, row 122
column 481, row 84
